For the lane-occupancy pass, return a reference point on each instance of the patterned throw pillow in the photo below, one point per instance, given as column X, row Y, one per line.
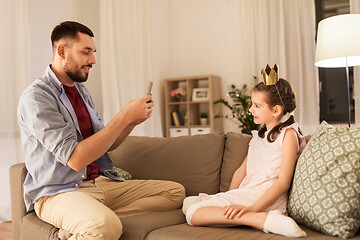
column 118, row 174
column 325, row 193
column 121, row 173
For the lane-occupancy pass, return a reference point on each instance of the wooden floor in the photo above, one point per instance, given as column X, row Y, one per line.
column 5, row 231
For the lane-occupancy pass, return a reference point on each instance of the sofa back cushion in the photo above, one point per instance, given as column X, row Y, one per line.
column 193, row 161
column 236, row 148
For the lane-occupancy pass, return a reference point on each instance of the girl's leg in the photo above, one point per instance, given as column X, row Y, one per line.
column 278, row 223
column 272, row 221
column 214, row 216
column 188, row 201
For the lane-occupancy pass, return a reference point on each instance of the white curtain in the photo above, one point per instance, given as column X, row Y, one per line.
column 126, row 59
column 14, row 72
column 355, row 8
column 283, row 32
column 152, row 40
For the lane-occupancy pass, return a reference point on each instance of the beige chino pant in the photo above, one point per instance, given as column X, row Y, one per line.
column 93, row 210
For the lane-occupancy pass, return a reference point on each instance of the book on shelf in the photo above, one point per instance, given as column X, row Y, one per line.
column 176, row 119
column 172, row 119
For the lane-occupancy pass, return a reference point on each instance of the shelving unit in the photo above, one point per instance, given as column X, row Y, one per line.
column 189, row 110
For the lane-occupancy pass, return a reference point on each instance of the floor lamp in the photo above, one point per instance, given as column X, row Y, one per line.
column 338, row 45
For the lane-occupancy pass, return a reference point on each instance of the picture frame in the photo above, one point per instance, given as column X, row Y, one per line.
column 200, row 94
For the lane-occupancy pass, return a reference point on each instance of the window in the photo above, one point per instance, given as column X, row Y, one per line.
column 333, row 86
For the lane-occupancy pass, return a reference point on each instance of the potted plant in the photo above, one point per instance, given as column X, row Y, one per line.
column 179, row 94
column 241, row 98
column 203, row 118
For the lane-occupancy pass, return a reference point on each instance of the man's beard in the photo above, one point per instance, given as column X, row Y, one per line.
column 76, row 75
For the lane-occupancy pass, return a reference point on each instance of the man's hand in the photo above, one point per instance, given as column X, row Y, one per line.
column 138, row 110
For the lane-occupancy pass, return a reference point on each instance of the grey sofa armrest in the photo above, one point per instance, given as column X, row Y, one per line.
column 17, row 174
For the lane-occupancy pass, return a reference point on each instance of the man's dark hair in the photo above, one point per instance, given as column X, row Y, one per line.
column 69, row 29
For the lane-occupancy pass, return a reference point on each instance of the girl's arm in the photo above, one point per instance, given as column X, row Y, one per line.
column 290, row 149
column 238, row 175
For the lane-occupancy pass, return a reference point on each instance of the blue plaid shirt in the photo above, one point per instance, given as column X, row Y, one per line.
column 49, row 134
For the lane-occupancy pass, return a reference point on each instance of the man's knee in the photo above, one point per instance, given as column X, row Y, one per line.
column 112, row 227
column 178, row 190
column 106, row 226
column 177, row 193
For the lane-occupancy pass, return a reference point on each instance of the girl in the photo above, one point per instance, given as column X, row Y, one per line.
column 258, row 191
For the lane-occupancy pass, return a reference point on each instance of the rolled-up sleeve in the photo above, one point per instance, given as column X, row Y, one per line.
column 40, row 113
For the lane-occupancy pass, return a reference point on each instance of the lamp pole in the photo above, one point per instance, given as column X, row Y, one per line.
column 348, row 88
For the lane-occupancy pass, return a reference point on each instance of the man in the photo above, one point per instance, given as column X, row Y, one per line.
column 66, row 146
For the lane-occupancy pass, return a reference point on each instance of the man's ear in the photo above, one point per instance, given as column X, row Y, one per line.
column 61, row 50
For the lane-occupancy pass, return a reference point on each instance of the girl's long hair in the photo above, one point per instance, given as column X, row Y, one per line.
column 282, row 95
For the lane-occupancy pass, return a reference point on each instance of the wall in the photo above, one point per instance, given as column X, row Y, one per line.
column 235, row 40
column 202, row 37
column 43, row 16
column 187, row 38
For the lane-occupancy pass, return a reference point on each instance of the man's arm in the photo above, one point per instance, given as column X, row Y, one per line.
column 126, row 132
column 112, row 134
column 122, row 137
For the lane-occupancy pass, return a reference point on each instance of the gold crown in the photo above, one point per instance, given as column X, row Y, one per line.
column 270, row 76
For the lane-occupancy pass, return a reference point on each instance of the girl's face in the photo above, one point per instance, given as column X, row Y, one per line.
column 263, row 113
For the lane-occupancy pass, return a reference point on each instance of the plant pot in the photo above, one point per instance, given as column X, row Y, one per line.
column 179, row 98
column 203, row 121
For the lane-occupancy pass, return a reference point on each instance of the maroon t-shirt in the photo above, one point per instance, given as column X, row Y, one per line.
column 84, row 124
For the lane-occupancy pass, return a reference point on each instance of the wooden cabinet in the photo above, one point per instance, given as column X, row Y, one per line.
column 182, row 114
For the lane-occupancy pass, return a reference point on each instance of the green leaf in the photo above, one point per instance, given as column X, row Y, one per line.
column 240, row 107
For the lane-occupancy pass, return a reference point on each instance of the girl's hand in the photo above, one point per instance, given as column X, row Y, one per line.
column 236, row 210
column 232, row 210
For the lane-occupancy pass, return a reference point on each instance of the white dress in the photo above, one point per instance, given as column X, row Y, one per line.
column 262, row 171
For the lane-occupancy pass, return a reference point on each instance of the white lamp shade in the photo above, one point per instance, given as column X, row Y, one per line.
column 338, row 38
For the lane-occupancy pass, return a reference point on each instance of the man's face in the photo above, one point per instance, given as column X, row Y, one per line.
column 80, row 57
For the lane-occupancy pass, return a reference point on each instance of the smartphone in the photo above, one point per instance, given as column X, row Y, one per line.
column 149, row 88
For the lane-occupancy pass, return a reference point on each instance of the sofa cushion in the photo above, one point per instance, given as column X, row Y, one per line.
column 326, row 188
column 236, row 148
column 184, row 231
column 138, row 226
column 193, row 161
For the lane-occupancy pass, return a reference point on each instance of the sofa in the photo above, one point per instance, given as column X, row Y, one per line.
column 201, row 163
